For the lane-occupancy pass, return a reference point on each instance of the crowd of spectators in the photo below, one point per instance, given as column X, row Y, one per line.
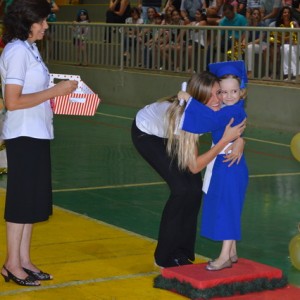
column 170, row 43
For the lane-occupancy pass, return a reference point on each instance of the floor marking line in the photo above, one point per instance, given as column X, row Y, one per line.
column 246, row 138
column 115, row 116
column 266, row 142
column 78, row 282
column 110, row 187
column 275, row 175
column 119, row 186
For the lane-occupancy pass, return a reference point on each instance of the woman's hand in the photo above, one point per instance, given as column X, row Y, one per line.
column 65, row 87
column 234, row 152
column 232, row 133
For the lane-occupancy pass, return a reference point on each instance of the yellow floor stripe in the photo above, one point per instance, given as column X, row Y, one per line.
column 89, row 260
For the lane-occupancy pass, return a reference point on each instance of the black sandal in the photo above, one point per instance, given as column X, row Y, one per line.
column 28, row 281
column 38, row 275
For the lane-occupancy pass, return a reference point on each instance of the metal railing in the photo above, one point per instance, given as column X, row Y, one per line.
column 176, row 48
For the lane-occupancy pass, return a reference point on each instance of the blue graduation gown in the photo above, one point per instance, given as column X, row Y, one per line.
column 223, row 203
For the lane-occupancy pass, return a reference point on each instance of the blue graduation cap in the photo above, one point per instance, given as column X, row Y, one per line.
column 237, row 68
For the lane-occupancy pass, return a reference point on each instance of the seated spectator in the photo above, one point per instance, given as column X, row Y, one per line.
column 270, row 10
column 173, row 42
column 167, row 14
column 135, row 17
column 132, row 34
column 152, row 45
column 213, row 10
column 230, row 19
column 144, row 5
column 256, row 39
column 251, row 4
column 151, row 13
column 197, row 39
column 242, row 7
column 198, row 35
column 188, row 9
column 285, row 19
column 146, row 34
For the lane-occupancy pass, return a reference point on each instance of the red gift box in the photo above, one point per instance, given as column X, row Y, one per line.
column 83, row 101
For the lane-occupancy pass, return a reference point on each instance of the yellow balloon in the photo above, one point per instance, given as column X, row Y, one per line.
column 295, row 146
column 294, row 248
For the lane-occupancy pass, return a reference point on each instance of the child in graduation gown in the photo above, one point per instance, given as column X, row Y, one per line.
column 225, row 188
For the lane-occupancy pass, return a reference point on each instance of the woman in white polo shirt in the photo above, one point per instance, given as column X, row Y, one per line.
column 27, row 132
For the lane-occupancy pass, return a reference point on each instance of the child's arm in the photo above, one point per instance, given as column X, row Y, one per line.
column 183, row 95
column 199, row 118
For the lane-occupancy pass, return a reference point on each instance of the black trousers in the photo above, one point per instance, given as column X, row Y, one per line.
column 178, row 226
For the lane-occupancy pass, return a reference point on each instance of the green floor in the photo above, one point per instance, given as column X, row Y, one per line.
column 97, row 172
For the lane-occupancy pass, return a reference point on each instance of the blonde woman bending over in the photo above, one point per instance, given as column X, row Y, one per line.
column 173, row 154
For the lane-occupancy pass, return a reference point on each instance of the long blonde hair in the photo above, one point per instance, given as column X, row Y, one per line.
column 183, row 145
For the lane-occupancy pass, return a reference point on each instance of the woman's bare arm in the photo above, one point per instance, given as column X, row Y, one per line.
column 14, row 99
column 231, row 133
column 123, row 6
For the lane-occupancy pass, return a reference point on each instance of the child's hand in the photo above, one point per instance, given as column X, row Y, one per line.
column 183, row 95
column 234, row 152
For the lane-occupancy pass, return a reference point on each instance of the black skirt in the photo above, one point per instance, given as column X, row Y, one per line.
column 29, row 188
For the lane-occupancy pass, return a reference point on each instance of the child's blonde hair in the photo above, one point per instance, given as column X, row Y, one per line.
column 182, row 145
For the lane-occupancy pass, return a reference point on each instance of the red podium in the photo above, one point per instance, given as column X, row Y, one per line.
column 195, row 282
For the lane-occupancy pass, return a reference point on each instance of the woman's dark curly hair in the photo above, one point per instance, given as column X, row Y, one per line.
column 279, row 16
column 20, row 16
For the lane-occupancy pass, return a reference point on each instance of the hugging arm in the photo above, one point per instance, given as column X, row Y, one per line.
column 199, row 118
column 231, row 133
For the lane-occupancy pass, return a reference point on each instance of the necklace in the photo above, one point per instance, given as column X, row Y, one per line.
column 33, row 50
